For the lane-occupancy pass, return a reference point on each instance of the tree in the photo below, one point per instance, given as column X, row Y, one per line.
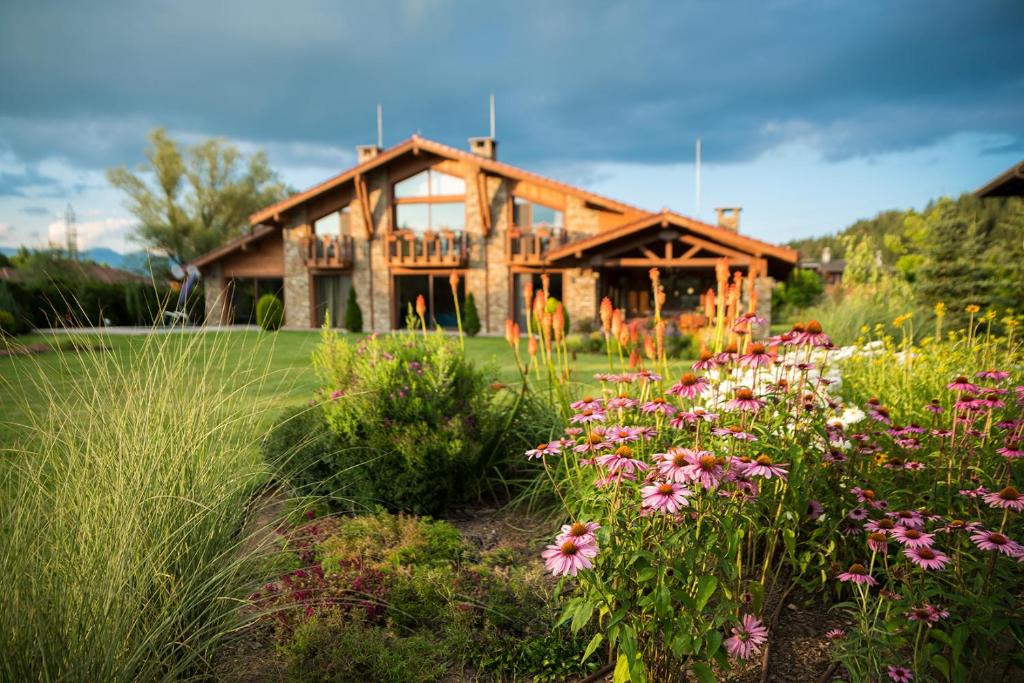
column 353, row 314
column 801, row 289
column 471, row 322
column 189, row 200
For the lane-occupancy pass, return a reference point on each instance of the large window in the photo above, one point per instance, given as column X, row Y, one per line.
column 430, row 201
column 335, row 224
column 436, row 292
column 529, row 216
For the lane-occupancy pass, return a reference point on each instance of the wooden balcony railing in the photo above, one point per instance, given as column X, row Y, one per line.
column 328, row 251
column 428, row 249
column 532, row 246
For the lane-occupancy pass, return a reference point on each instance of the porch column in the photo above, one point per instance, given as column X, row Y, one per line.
column 215, row 295
column 580, row 293
column 296, row 280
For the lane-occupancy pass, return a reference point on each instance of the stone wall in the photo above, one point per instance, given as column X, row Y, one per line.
column 763, row 286
column 215, row 294
column 296, row 280
column 580, row 292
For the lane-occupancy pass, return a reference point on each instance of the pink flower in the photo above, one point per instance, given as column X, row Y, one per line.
column 756, row 356
column 899, row 674
column 1009, row 498
column 672, row 465
column 835, row 634
column 814, row 510
column 689, row 386
column 551, row 448
column 878, row 542
column 735, row 432
column 621, row 401
column 622, row 460
column 586, row 403
column 913, row 538
column 666, row 496
column 908, row 518
column 993, row 374
column 568, row 557
column 581, row 533
column 703, row 468
column 658, row 405
column 926, row 558
column 993, row 540
column 588, row 415
column 857, row 573
column 762, row 466
column 745, row 401
column 622, row 434
column 974, row 493
column 961, row 383
column 881, row 526
column 747, row 638
column 929, row 614
column 857, row 514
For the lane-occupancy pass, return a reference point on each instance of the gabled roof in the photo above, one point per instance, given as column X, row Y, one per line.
column 1010, row 183
column 417, row 143
column 253, row 235
column 754, row 247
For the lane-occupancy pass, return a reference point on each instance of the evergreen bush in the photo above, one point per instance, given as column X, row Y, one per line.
column 269, row 312
column 471, row 318
column 353, row 314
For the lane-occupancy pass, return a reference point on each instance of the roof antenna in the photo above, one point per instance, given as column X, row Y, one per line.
column 492, row 116
column 697, row 215
column 380, row 127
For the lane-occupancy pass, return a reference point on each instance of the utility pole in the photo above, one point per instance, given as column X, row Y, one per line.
column 71, row 232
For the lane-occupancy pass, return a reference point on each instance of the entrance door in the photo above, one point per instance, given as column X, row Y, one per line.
column 331, row 295
column 436, row 291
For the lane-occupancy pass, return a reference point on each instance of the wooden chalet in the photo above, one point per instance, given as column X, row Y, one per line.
column 397, row 224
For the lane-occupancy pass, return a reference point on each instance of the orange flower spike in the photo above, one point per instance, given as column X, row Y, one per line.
column 722, row 271
column 616, row 324
column 515, row 333
column 421, row 306
column 558, row 322
column 634, row 332
column 546, row 326
column 545, row 284
column 659, row 336
column 453, row 280
column 511, row 333
column 624, row 336
column 528, row 293
column 709, row 304
column 655, row 276
column 606, row 314
column 649, row 349
column 539, row 301
column 531, row 346
column 634, row 358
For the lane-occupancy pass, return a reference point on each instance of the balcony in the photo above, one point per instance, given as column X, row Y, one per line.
column 444, row 248
column 327, row 251
column 531, row 247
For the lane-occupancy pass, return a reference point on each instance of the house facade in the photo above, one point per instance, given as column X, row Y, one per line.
column 396, row 225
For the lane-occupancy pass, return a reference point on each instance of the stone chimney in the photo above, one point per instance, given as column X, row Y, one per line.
column 485, row 147
column 728, row 217
column 826, row 255
column 366, row 152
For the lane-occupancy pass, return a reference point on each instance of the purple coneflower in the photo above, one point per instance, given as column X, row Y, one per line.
column 979, row 492
column 835, row 634
column 621, row 401
column 551, row 448
column 588, row 415
column 622, row 460
column 878, row 542
column 914, row 466
column 762, row 466
column 881, row 526
column 992, row 374
column 899, row 674
column 934, row 406
column 745, row 400
column 1009, row 499
column 586, row 403
column 581, row 533
column 908, row 518
column 621, row 434
column 926, row 557
column 666, row 496
column 756, row 356
column 703, row 468
column 658, row 405
column 734, row 432
column 929, row 614
column 963, row 384
column 857, row 514
column 593, row 443
column 747, row 638
column 689, row 386
column 707, row 361
column 955, row 525
column 812, row 334
column 672, row 465
column 814, row 510
column 913, row 538
column 857, row 573
column 993, row 540
column 568, row 557
column 646, row 376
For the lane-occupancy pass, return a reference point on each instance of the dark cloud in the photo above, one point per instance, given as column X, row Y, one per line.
column 29, row 183
column 575, row 81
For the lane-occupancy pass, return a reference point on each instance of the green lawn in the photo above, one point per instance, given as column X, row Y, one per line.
column 286, row 355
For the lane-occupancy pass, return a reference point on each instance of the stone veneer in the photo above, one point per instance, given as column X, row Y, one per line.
column 215, row 295
column 296, row 280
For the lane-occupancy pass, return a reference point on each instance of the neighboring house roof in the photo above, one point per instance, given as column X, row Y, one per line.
column 88, row 271
column 253, row 235
column 416, row 144
column 1010, row 183
column 833, row 266
column 723, row 235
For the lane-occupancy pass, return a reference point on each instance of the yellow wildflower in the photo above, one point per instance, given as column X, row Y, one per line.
column 940, row 309
column 972, row 308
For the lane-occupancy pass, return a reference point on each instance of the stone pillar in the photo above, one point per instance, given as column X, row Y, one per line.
column 215, row 295
column 763, row 285
column 580, row 290
column 382, row 294
column 296, row 280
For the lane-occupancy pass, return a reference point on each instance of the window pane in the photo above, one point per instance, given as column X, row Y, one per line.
column 543, row 217
column 520, row 213
column 448, row 216
column 442, row 183
column 416, row 186
column 343, row 221
column 328, row 225
column 412, row 217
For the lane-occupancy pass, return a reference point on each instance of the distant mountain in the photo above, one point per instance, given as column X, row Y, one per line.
column 102, row 255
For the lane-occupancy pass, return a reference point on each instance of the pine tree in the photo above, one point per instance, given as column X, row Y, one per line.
column 353, row 314
column 470, row 317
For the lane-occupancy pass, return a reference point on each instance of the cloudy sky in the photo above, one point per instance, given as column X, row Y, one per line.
column 812, row 113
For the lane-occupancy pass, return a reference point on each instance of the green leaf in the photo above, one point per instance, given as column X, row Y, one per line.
column 705, row 589
column 663, row 601
column 582, row 616
column 703, row 673
column 569, row 612
column 621, row 670
column 941, row 664
column 714, row 640
column 592, row 646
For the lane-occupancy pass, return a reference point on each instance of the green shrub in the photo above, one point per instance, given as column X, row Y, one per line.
column 425, row 420
column 551, row 306
column 302, row 449
column 385, row 540
column 8, row 325
column 353, row 314
column 334, row 649
column 850, row 311
column 269, row 312
column 471, row 318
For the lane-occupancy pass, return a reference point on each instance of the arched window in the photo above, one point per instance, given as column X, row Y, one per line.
column 430, row 201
